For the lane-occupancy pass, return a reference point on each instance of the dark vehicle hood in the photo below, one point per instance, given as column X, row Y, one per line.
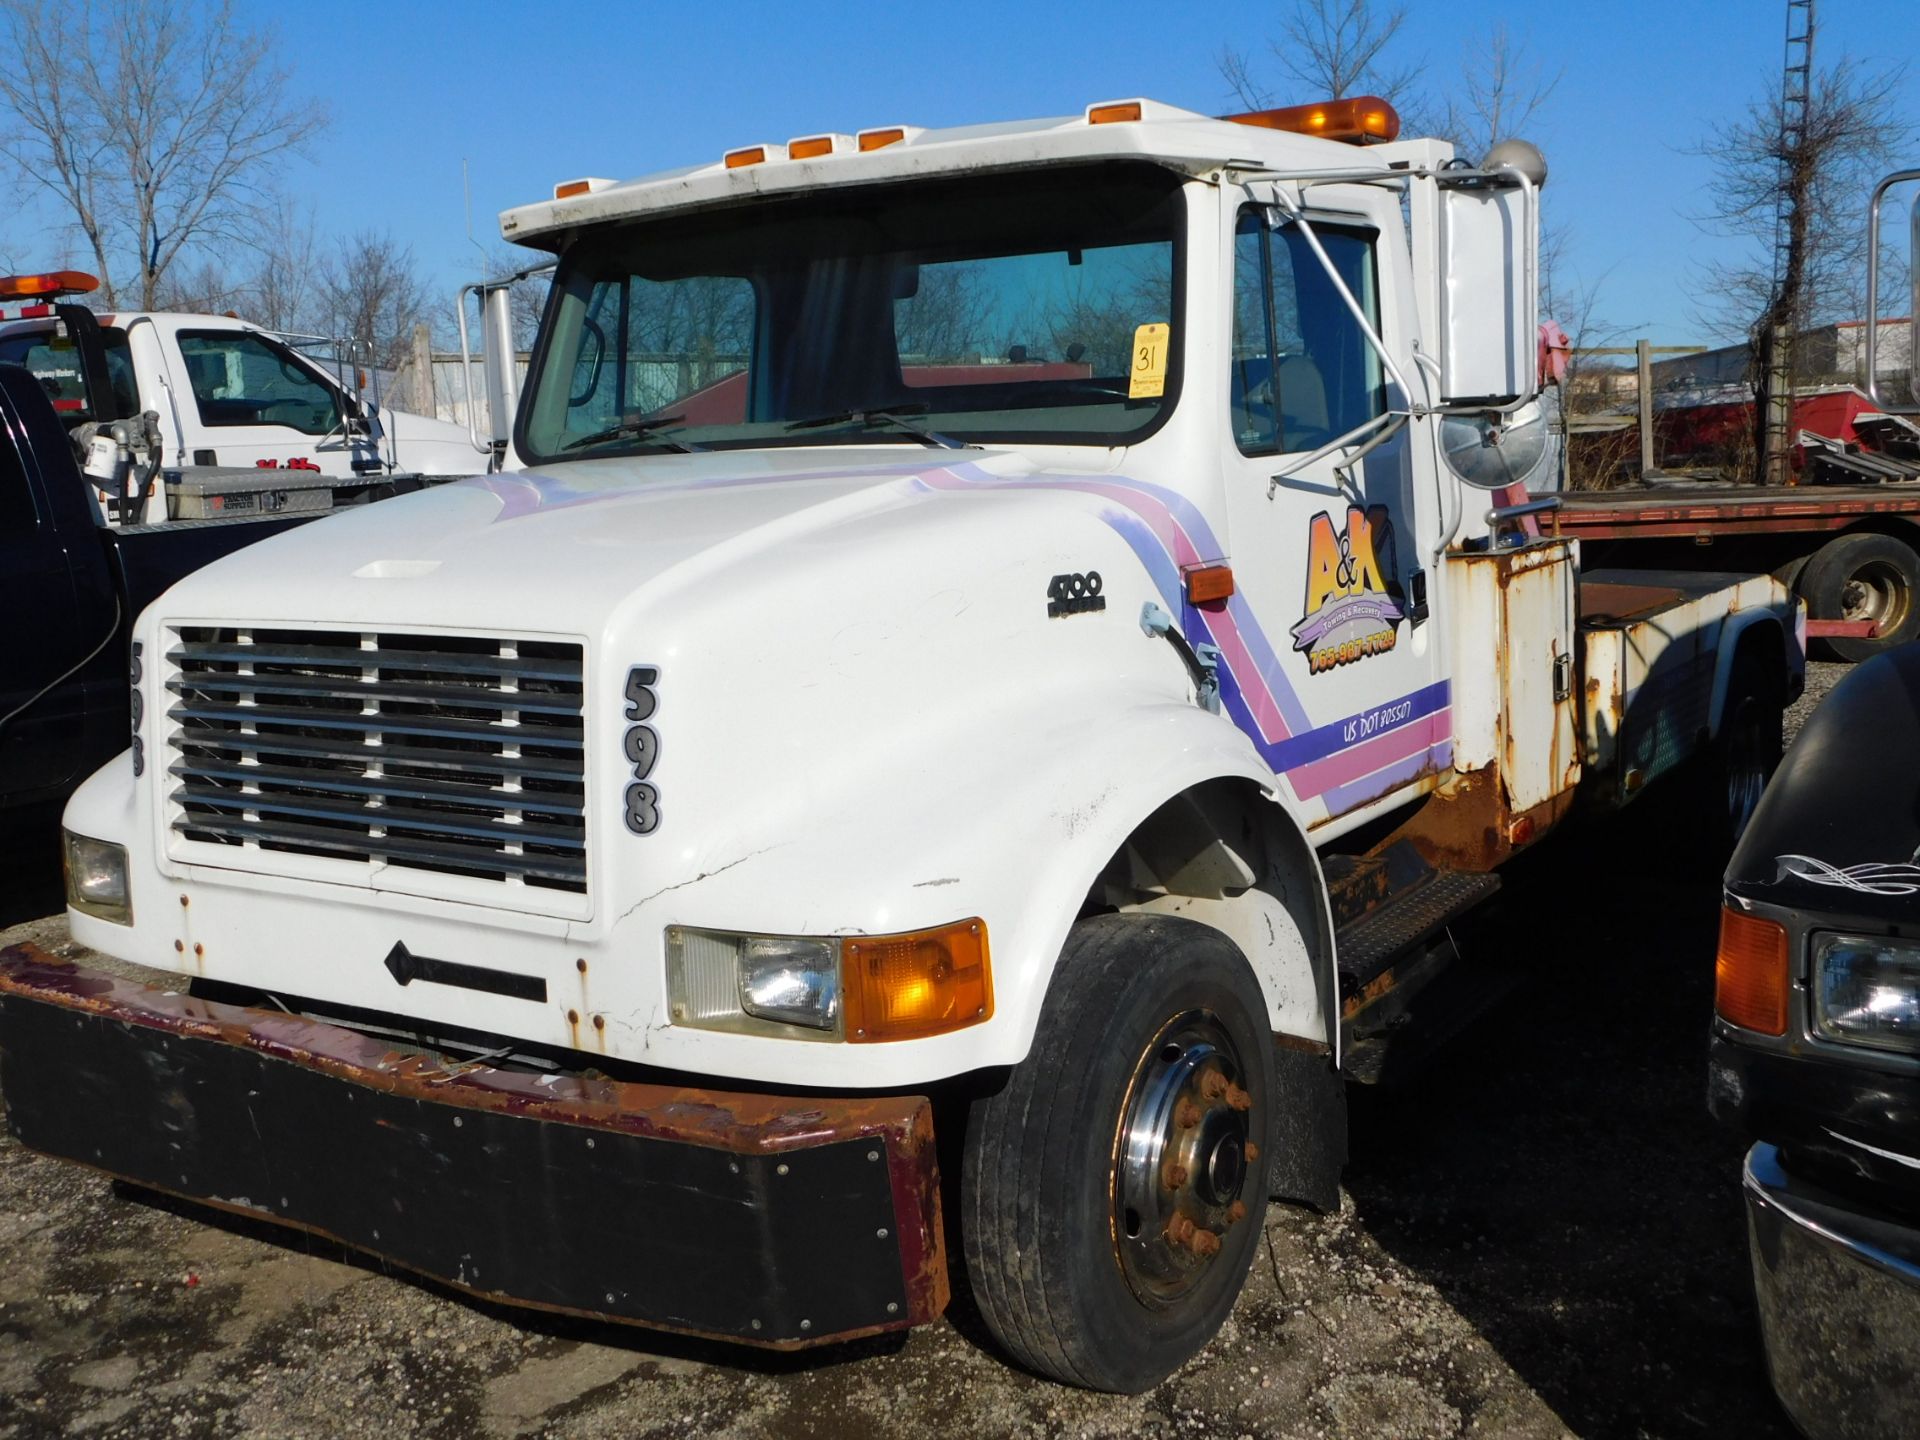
column 1839, row 827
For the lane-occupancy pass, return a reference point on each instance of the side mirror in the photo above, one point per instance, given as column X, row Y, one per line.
column 1488, row 228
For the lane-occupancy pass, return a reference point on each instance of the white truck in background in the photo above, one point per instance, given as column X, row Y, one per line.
column 244, row 421
column 992, row 663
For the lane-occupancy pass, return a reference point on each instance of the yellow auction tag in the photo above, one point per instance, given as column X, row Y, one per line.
column 1148, row 379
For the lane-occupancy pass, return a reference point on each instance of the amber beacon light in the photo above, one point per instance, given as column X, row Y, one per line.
column 1361, row 120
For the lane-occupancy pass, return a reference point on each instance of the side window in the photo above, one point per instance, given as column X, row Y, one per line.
column 126, row 391
column 240, row 378
column 653, row 347
column 1303, row 371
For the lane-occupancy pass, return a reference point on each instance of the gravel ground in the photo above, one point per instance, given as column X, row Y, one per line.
column 1541, row 1237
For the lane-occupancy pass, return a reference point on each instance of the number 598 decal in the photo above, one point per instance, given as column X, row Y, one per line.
column 642, row 746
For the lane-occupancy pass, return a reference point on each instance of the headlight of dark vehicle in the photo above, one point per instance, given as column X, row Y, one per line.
column 1867, row 991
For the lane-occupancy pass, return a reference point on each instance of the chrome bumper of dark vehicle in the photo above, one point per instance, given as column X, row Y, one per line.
column 1838, row 1290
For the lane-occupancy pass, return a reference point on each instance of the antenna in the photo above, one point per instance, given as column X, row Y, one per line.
column 466, row 190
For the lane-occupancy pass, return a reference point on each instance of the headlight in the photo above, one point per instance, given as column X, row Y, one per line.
column 756, row 984
column 96, row 874
column 1867, row 991
column 861, row 989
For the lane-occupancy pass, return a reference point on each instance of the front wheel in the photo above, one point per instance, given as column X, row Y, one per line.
column 1113, row 1189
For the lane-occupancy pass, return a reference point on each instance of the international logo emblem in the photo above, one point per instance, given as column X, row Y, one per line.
column 1352, row 608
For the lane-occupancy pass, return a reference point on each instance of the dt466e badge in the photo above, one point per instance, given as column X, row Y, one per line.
column 1351, row 607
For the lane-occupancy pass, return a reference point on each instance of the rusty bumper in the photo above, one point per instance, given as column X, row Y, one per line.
column 777, row 1221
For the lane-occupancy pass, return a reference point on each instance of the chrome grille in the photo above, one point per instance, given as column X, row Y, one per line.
column 457, row 754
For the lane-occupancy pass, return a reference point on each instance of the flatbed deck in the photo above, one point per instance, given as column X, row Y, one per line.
column 1701, row 512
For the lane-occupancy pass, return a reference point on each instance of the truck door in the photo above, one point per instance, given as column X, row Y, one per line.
column 248, row 398
column 41, row 745
column 1327, row 553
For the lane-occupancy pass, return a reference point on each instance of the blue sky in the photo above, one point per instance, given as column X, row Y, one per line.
column 531, row 94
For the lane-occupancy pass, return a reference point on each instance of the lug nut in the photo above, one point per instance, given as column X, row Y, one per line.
column 1203, row 1242
column 1213, row 1085
column 1186, row 1114
column 1251, row 1151
column 1174, row 1176
column 1179, row 1229
column 1236, row 1212
column 1238, row 1099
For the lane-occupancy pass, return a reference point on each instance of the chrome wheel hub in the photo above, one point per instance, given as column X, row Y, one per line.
column 1183, row 1155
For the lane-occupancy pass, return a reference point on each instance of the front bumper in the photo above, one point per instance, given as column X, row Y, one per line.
column 1838, row 1290
column 777, row 1221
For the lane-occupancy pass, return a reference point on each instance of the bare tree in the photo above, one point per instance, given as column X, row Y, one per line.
column 203, row 288
column 1819, row 180
column 1794, row 191
column 370, row 290
column 151, row 121
column 283, row 292
column 1331, row 47
column 1502, row 88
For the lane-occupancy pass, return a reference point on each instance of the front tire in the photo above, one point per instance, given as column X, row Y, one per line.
column 1113, row 1189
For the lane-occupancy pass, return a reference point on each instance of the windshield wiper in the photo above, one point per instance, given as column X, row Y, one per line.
column 637, row 426
column 867, row 419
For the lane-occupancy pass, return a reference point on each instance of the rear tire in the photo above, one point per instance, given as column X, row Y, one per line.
column 1113, row 1190
column 1865, row 577
column 1747, row 750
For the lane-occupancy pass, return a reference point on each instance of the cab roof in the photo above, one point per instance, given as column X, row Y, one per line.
column 1182, row 140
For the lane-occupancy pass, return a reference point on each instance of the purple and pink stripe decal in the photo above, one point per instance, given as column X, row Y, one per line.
column 1345, row 762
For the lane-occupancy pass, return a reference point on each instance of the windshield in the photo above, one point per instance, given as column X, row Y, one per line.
column 1023, row 307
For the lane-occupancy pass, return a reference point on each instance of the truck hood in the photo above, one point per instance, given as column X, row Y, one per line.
column 556, row 550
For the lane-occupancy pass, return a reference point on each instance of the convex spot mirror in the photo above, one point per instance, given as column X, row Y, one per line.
column 1488, row 256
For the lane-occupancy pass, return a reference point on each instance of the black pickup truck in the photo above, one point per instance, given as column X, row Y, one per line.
column 70, row 588
column 1816, row 1056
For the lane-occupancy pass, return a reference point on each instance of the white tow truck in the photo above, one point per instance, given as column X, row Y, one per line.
column 243, row 421
column 1006, row 651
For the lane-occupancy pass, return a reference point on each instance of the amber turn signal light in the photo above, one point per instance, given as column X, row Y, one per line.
column 1750, row 974
column 924, row 982
column 1111, row 114
column 880, row 139
column 752, row 155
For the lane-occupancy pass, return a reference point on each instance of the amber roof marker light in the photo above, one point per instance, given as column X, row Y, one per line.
column 1359, row 120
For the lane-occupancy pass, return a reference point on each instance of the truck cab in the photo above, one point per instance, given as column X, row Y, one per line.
column 1004, row 651
column 226, row 393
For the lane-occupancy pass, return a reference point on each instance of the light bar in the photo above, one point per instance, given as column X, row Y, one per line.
column 1361, row 120
column 51, row 283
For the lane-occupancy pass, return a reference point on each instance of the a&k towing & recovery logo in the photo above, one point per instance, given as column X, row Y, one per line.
column 1351, row 608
